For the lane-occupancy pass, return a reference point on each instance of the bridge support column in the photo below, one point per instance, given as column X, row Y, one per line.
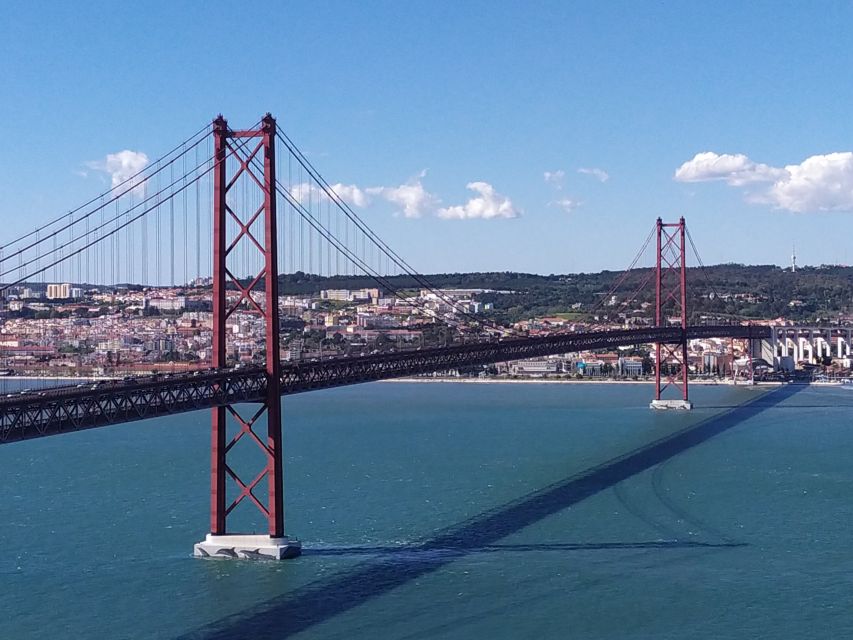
column 232, row 432
column 671, row 298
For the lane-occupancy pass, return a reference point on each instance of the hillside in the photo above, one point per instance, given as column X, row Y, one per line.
column 759, row 291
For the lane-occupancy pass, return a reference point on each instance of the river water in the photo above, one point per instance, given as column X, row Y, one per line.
column 448, row 510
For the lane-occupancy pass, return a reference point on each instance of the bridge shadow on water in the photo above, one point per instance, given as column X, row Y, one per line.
column 392, row 567
column 393, row 552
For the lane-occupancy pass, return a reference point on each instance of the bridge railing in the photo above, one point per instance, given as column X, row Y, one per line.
column 307, row 376
column 63, row 409
column 96, row 404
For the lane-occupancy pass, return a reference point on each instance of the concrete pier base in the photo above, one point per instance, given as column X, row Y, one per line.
column 250, row 547
column 684, row 405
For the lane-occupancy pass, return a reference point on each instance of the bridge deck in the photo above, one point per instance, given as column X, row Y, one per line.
column 62, row 409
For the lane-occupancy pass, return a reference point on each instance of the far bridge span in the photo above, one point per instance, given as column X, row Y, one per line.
column 64, row 409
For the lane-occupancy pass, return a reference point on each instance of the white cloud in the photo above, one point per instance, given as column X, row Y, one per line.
column 555, row 178
column 412, row 197
column 121, row 166
column 302, row 191
column 734, row 169
column 413, row 200
column 566, row 204
column 349, row 193
column 599, row 174
column 819, row 183
column 488, row 205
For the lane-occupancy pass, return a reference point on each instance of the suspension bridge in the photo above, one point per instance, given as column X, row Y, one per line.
column 222, row 211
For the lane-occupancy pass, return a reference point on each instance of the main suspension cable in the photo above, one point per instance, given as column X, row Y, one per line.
column 393, row 256
column 100, row 227
column 38, row 230
column 624, row 275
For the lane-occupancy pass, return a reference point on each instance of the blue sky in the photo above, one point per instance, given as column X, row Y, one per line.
column 468, row 92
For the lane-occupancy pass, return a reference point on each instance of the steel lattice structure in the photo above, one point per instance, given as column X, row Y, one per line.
column 267, row 308
column 671, row 298
column 86, row 406
column 68, row 409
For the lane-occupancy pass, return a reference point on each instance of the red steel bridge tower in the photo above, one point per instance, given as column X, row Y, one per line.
column 671, row 306
column 245, row 159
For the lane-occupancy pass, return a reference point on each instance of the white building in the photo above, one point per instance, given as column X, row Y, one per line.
column 540, row 367
column 178, row 303
column 293, row 351
column 347, row 295
column 59, row 291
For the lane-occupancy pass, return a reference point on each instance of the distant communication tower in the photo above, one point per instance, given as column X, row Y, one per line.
column 793, row 259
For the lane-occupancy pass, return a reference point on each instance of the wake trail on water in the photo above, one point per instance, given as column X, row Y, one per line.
column 620, row 491
column 662, row 494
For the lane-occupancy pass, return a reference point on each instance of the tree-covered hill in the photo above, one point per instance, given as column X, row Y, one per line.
column 759, row 291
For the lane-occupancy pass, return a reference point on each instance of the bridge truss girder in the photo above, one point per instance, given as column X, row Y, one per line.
column 69, row 409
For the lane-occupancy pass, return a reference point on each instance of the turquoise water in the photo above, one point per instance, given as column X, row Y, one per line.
column 453, row 511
